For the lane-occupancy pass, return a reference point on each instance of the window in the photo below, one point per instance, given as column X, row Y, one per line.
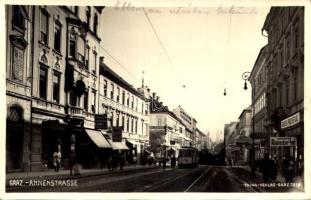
column 123, row 122
column 296, row 38
column 118, row 94
column 132, row 102
column 159, row 122
column 44, row 26
column 287, row 94
column 112, row 91
column 88, row 15
column 77, row 10
column 16, row 114
column 72, row 48
column 57, row 37
column 136, row 126
column 128, row 124
column 111, row 119
column 117, row 120
column 180, row 130
column 95, row 61
column 132, row 125
column 87, row 59
column 43, row 82
column 142, row 127
column 18, row 19
column 18, row 63
column 105, row 88
column 142, row 107
column 86, row 101
column 73, row 99
column 56, row 82
column 295, row 88
column 95, row 24
column 123, row 97
column 81, row 50
column 281, row 95
column 93, row 101
column 128, row 99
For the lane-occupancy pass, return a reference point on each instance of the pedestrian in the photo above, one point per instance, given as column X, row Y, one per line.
column 173, row 161
column 290, row 171
column 164, row 162
column 274, row 170
column 265, row 168
column 109, row 163
column 57, row 160
column 121, row 161
column 134, row 160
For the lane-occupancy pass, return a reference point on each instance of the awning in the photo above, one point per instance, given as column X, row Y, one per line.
column 133, row 142
column 117, row 145
column 98, row 138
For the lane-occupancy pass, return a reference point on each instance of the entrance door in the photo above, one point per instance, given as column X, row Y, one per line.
column 14, row 138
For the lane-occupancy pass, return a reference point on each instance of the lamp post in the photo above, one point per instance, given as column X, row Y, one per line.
column 245, row 77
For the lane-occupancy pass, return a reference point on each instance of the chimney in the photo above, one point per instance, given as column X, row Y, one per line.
column 101, row 60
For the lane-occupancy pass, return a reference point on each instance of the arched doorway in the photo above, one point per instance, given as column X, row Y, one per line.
column 14, row 138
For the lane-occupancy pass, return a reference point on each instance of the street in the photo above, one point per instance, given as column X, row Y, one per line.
column 200, row 179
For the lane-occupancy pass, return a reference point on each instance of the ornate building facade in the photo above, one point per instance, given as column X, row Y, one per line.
column 285, row 68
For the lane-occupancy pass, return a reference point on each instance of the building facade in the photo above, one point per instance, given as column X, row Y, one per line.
column 57, row 64
column 244, row 128
column 190, row 123
column 258, row 79
column 167, row 131
column 18, row 86
column 125, row 107
column 232, row 151
column 285, row 68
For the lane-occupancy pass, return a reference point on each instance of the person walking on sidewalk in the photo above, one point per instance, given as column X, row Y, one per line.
column 274, row 170
column 265, row 168
column 56, row 160
column 173, row 161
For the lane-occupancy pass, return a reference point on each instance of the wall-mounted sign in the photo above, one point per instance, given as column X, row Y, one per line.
column 101, row 121
column 282, row 141
column 290, row 121
column 117, row 134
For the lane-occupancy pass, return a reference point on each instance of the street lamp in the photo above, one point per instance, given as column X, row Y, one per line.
column 245, row 77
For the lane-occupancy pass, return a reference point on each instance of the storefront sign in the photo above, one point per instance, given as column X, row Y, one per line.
column 282, row 141
column 117, row 134
column 101, row 121
column 290, row 121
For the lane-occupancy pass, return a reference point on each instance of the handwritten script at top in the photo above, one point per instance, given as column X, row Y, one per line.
column 189, row 9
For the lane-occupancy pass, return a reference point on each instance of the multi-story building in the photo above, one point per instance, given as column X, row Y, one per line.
column 125, row 107
column 167, row 131
column 285, row 68
column 54, row 59
column 232, row 151
column 258, row 79
column 18, row 86
column 244, row 141
column 190, row 123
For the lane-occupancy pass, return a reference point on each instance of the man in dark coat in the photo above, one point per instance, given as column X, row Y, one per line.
column 266, row 167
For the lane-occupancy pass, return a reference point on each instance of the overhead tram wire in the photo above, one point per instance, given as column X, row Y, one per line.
column 120, row 64
column 162, row 46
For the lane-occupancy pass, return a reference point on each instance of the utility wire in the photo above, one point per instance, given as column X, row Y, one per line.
column 121, row 65
column 161, row 44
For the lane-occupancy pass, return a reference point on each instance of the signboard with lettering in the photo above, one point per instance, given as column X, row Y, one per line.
column 117, row 134
column 290, row 121
column 101, row 121
column 282, row 141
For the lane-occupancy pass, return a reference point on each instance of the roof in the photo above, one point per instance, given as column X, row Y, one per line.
column 108, row 73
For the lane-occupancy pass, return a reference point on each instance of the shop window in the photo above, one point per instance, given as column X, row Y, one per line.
column 15, row 114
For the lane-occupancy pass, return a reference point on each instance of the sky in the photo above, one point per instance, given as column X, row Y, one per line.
column 189, row 56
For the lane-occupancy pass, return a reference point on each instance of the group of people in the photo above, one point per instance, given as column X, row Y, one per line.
column 270, row 168
column 115, row 160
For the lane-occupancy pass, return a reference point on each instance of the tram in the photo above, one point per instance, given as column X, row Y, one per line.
column 188, row 157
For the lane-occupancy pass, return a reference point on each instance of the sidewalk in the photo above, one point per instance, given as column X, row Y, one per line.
column 65, row 174
column 278, row 186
